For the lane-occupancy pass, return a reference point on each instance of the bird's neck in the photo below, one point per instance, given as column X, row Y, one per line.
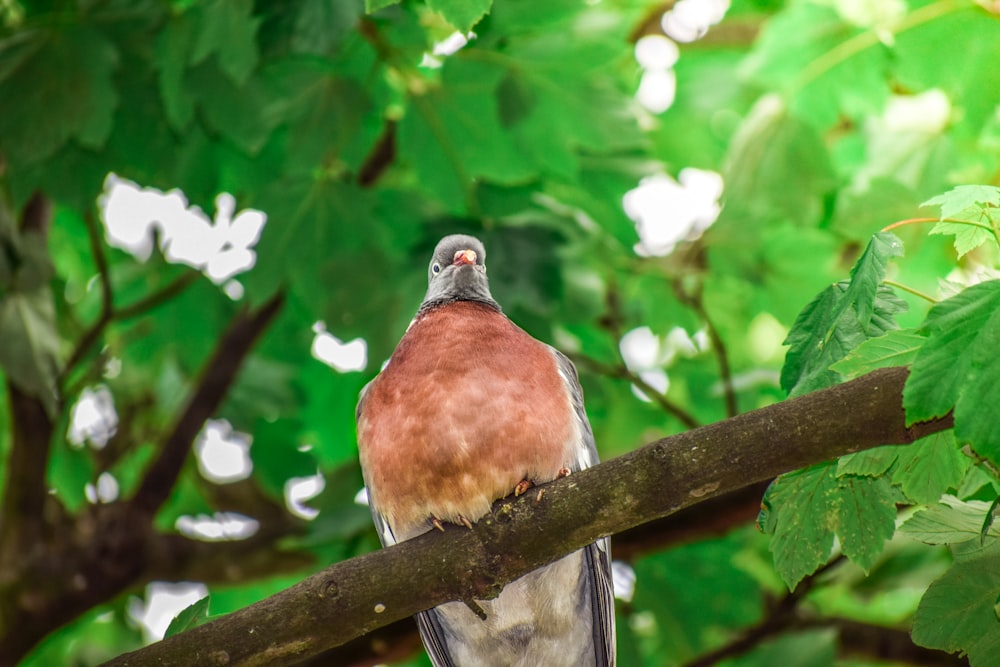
column 440, row 302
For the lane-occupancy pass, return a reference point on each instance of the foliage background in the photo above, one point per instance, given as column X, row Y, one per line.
column 827, row 121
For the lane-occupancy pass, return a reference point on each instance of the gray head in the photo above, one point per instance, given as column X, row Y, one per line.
column 457, row 272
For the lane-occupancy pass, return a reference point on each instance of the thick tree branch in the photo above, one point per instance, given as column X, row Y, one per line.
column 714, row 517
column 351, row 598
column 25, row 489
column 215, row 380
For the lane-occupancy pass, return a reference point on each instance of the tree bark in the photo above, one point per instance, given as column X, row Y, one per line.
column 354, row 597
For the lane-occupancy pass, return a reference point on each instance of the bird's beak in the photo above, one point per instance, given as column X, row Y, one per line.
column 464, row 257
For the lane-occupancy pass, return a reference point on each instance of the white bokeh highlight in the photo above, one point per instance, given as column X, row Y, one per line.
column 623, row 580
column 93, row 418
column 162, row 602
column 134, row 217
column 649, row 355
column 656, row 54
column 348, row 357
column 667, row 211
column 218, row 527
column 689, row 20
column 223, row 454
column 299, row 490
column 104, row 491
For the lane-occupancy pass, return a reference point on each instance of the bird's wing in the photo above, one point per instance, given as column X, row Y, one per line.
column 433, row 634
column 586, row 455
column 385, row 534
column 598, row 554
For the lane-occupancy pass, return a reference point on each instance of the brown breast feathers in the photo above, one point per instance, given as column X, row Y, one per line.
column 468, row 406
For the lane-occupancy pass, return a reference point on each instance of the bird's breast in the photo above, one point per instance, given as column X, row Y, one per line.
column 468, row 406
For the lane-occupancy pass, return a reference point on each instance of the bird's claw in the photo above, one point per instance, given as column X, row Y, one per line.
column 563, row 472
column 437, row 523
column 522, row 486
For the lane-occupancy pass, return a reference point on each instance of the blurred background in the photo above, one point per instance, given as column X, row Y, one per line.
column 216, row 218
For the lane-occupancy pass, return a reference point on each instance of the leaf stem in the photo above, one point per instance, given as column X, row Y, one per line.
column 914, row 292
column 914, row 221
column 858, row 43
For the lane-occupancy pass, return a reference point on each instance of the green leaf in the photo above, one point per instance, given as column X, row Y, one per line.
column 952, row 521
column 320, row 26
column 869, row 463
column 957, row 613
column 929, row 467
column 462, row 14
column 801, row 504
column 776, row 167
column 841, row 318
column 954, row 202
column 30, row 350
column 453, row 136
column 895, row 348
column 991, row 516
column 190, row 617
column 793, row 53
column 975, row 87
column 958, row 365
column 372, row 6
column 866, row 517
column 228, row 30
column 39, row 119
column 173, row 50
column 809, row 506
column 971, row 204
column 868, row 273
column 241, row 113
column 968, row 236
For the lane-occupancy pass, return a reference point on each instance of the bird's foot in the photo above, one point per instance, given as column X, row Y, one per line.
column 563, row 472
column 522, row 486
column 439, row 524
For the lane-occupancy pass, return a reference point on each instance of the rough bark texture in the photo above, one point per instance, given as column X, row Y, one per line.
column 53, row 565
column 357, row 596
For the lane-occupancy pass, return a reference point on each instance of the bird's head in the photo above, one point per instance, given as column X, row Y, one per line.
column 457, row 272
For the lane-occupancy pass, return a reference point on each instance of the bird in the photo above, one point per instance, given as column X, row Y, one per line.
column 469, row 409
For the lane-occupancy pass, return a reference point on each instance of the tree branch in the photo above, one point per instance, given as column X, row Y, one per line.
column 24, row 488
column 351, row 598
column 109, row 313
column 695, row 301
column 216, row 378
column 713, row 517
column 622, row 372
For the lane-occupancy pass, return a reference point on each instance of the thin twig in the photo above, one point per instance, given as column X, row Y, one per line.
column 622, row 372
column 147, row 303
column 612, row 323
column 781, row 616
column 697, row 304
column 216, row 378
column 140, row 307
column 101, row 260
column 95, row 330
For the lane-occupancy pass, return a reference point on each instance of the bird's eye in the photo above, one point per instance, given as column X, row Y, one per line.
column 435, row 268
